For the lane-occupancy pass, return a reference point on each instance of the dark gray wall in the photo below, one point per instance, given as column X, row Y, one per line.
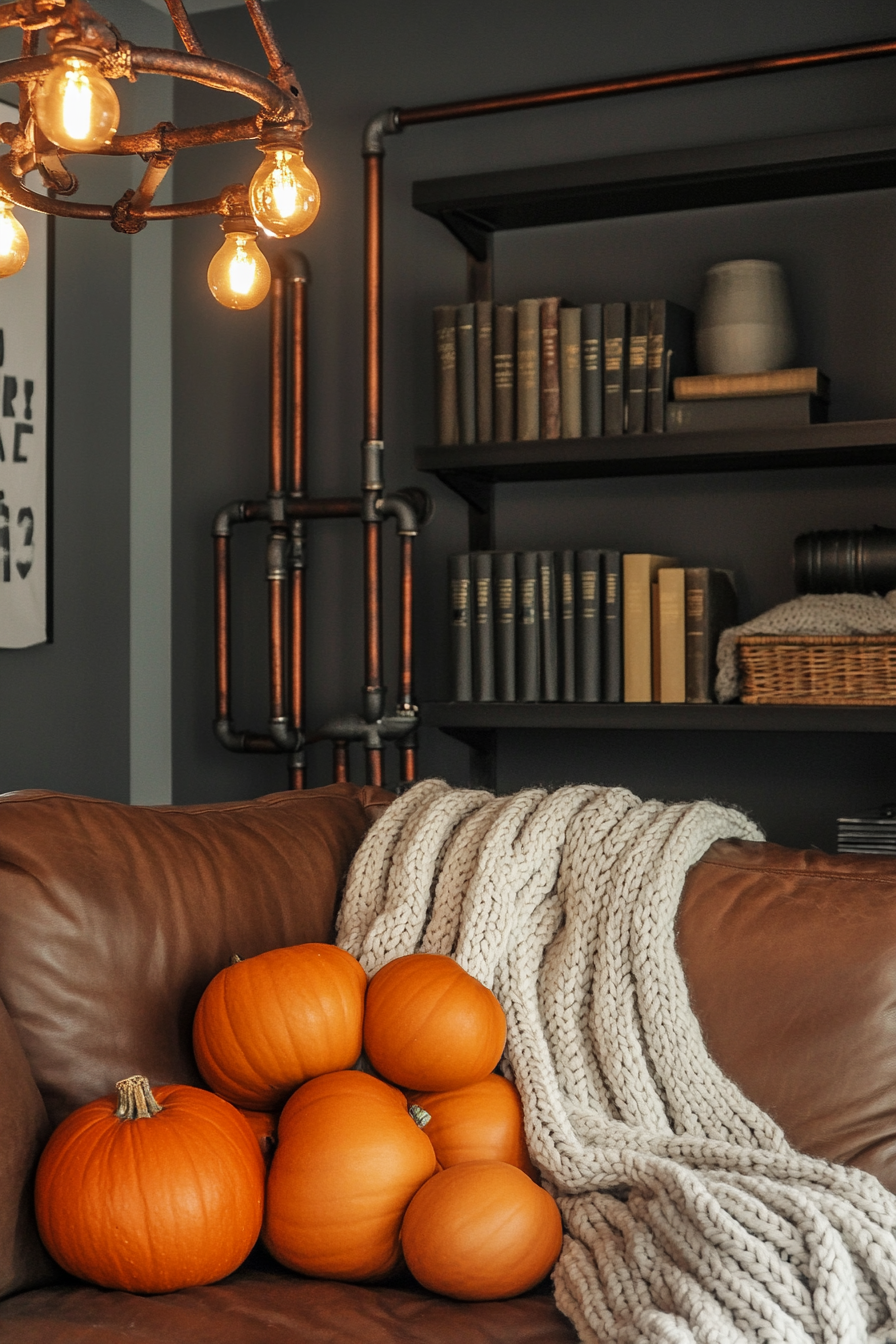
column 840, row 254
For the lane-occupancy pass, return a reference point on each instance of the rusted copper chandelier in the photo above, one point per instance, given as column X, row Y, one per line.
column 67, row 105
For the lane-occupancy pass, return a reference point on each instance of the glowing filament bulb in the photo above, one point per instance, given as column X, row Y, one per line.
column 13, row 242
column 75, row 106
column 283, row 194
column 239, row 275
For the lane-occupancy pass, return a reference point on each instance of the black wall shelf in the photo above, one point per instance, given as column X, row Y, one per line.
column 462, row 719
column 469, row 468
column 474, row 206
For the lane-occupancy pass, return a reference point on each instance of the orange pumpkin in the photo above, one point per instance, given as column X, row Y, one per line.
column 151, row 1193
column 481, row 1230
column 477, row 1123
column 430, row 1026
column 267, row 1024
column 349, row 1158
column 263, row 1125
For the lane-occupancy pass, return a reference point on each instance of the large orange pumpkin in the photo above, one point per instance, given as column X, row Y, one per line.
column 151, row 1193
column 430, row 1026
column 267, row 1024
column 349, row 1158
column 477, row 1123
column 481, row 1230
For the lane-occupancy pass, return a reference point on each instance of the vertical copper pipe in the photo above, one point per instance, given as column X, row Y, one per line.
column 340, row 762
column 276, row 610
column 406, row 622
column 408, row 762
column 373, row 426
column 297, row 403
column 222, row 628
column 297, row 777
column 278, row 383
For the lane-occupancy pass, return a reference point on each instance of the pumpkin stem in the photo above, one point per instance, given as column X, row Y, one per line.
column 419, row 1116
column 234, row 960
column 135, row 1099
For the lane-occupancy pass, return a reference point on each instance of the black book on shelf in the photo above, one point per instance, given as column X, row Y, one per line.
column 504, row 594
column 567, row 584
column 611, row 626
column 461, row 627
column 528, row 647
column 710, row 606
column 592, row 371
column 466, row 371
column 588, row 626
column 636, row 391
column 746, row 413
column 615, row 366
column 483, row 627
column 670, row 355
column 547, row 611
column 445, row 325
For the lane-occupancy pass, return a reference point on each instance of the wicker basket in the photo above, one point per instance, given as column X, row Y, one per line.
column 817, row 669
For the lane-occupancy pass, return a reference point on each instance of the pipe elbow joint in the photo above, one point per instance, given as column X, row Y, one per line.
column 228, row 736
column 383, row 124
column 234, row 512
column 284, row 737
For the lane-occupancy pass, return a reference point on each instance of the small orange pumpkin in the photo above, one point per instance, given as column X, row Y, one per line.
column 477, row 1123
column 481, row 1231
column 267, row 1024
column 263, row 1125
column 430, row 1026
column 151, row 1193
column 349, row 1158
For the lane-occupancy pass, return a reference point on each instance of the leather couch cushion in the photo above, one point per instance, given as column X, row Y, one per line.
column 254, row 1306
column 790, row 958
column 113, row 919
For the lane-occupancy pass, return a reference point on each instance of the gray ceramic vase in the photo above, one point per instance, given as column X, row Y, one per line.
column 744, row 322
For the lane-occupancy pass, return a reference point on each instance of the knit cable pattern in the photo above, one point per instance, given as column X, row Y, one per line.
column 688, row 1216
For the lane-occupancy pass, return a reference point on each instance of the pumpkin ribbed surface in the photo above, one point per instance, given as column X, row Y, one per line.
column 481, row 1231
column 483, row 1122
column 430, row 1026
column 267, row 1024
column 170, row 1200
column 349, row 1159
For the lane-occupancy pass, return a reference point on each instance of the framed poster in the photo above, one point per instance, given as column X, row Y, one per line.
column 26, row 367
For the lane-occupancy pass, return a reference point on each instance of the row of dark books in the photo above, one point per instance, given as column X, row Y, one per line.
column 868, row 833
column 588, row 626
column 544, row 369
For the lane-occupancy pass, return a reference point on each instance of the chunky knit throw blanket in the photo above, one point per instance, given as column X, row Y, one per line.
column 688, row 1216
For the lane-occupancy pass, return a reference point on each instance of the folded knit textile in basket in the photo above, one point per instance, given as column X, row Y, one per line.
column 687, row 1215
column 815, row 614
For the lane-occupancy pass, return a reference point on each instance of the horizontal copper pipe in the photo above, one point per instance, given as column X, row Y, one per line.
column 337, row 507
column 664, row 79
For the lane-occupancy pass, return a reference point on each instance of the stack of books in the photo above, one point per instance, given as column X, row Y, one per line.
column 587, row 626
column 869, row 833
column 545, row 369
column 774, row 400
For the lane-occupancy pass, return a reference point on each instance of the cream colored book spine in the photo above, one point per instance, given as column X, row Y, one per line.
column 774, row 383
column 672, row 637
column 638, row 574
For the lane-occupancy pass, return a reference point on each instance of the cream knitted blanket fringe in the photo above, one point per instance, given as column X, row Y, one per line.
column 688, row 1216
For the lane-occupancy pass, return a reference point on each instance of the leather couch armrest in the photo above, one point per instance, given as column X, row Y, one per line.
column 24, row 1128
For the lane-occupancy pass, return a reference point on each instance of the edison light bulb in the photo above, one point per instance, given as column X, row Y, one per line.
column 76, row 107
column 13, row 242
column 283, row 195
column 238, row 274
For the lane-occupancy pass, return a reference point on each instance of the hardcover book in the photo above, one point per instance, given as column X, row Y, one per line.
column 550, row 368
column 528, row 343
column 484, row 367
column 638, row 576
column 466, row 372
column 592, row 371
column 571, row 373
column 615, row 366
column 670, row 355
column 547, row 612
column 567, row 626
column 670, row 583
column 611, row 626
column 461, row 627
column 528, row 648
column 588, row 626
column 775, row 412
column 504, row 592
column 505, row 367
column 445, row 323
column 774, row 383
column 636, row 395
column 483, row 626
column 710, row 608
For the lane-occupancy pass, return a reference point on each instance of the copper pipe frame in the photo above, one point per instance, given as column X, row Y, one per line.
column 376, row 503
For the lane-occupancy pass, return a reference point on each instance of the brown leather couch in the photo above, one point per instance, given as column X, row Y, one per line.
column 113, row 919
